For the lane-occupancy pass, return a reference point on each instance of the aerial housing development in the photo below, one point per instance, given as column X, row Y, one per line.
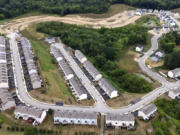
column 81, row 82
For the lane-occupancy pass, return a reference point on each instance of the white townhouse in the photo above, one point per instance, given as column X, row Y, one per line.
column 6, row 100
column 27, row 113
column 65, row 68
column 56, row 53
column 3, row 64
column 174, row 93
column 29, row 58
column 147, row 112
column 80, row 56
column 75, row 117
column 92, row 71
column 78, row 89
column 120, row 121
column 174, row 73
column 108, row 88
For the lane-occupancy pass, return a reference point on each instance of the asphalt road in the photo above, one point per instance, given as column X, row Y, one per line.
column 100, row 105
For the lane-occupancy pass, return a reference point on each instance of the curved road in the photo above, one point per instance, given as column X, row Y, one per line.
column 100, row 105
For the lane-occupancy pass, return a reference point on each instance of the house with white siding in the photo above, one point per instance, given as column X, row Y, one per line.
column 120, row 121
column 80, row 56
column 75, row 117
column 3, row 64
column 147, row 112
column 30, row 113
column 78, row 89
column 174, row 93
column 29, row 58
column 174, row 73
column 65, row 68
column 92, row 71
column 108, row 88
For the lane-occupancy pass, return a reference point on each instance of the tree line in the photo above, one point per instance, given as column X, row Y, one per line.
column 12, row 8
column 169, row 44
column 104, row 47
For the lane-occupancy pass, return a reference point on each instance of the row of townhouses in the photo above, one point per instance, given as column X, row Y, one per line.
column 96, row 75
column 6, row 100
column 33, row 115
column 78, row 90
column 75, row 117
column 147, row 112
column 29, row 58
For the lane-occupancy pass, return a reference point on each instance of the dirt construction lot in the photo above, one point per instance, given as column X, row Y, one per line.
column 117, row 20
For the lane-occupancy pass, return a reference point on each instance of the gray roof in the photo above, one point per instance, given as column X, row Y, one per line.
column 29, row 111
column 176, row 91
column 29, row 57
column 148, row 109
column 118, row 117
column 65, row 67
column 106, row 86
column 6, row 99
column 91, row 69
column 55, row 52
column 2, row 40
column 79, row 55
column 75, row 114
column 3, row 65
column 3, row 73
column 78, row 87
column 175, row 71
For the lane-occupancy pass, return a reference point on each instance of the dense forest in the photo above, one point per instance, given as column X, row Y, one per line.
column 12, row 8
column 169, row 43
column 168, row 120
column 103, row 47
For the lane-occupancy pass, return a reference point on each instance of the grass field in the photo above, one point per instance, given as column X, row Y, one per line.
column 114, row 9
column 55, row 84
column 149, row 21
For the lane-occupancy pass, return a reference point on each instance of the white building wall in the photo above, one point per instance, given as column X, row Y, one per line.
column 172, row 95
column 114, row 94
column 4, row 85
column 141, row 114
column 98, row 77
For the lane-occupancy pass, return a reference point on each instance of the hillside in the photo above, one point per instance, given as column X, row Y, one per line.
column 12, row 8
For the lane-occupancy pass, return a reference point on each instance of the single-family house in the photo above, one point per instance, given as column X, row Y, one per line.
column 160, row 54
column 139, row 48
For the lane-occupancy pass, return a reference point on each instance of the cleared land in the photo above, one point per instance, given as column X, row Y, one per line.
column 55, row 85
column 114, row 9
column 149, row 21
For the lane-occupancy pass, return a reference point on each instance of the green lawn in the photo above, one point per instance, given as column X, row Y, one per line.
column 5, row 132
column 149, row 21
column 56, row 86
